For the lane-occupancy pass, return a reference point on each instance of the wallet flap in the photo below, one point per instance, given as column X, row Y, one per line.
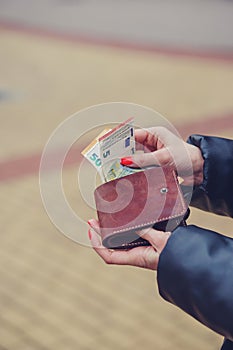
column 137, row 201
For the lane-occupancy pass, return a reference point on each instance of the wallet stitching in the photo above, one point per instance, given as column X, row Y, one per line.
column 162, row 219
column 132, row 243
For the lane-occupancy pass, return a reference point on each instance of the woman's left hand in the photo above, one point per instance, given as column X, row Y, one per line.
column 145, row 257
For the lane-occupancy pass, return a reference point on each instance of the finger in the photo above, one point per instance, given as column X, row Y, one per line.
column 109, row 256
column 94, row 224
column 161, row 157
column 146, row 140
column 157, row 137
column 140, row 138
column 158, row 239
column 145, row 257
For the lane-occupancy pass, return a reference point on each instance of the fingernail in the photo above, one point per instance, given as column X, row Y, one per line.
column 126, row 161
column 89, row 234
column 90, row 223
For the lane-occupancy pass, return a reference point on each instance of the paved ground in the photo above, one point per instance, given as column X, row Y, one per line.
column 180, row 24
column 55, row 294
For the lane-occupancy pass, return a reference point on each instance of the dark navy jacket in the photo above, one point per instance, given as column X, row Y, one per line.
column 195, row 269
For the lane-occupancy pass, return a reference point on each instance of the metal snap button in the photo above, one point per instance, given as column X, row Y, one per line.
column 164, row 190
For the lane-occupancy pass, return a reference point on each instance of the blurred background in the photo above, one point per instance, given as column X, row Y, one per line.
column 57, row 57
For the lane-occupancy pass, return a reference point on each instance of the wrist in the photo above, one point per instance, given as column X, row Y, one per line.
column 198, row 165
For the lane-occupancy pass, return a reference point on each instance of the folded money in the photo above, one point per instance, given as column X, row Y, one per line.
column 92, row 153
column 106, row 150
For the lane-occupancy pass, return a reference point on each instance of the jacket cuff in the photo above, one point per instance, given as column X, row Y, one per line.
column 215, row 193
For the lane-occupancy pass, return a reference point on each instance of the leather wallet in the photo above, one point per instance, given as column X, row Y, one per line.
column 149, row 198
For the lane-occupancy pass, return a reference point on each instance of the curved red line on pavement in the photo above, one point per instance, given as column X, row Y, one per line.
column 82, row 39
column 11, row 169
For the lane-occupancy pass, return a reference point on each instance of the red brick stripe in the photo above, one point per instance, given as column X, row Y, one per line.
column 27, row 165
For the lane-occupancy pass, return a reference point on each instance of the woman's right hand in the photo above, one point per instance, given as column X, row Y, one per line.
column 162, row 147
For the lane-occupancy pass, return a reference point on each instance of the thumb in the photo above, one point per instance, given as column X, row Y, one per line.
column 160, row 157
column 158, row 239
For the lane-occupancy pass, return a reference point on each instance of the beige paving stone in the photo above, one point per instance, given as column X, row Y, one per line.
column 57, row 294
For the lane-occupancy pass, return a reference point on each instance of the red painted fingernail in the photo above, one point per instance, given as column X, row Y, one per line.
column 89, row 234
column 126, row 161
column 90, row 223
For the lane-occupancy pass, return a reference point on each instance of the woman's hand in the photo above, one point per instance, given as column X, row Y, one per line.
column 146, row 257
column 162, row 147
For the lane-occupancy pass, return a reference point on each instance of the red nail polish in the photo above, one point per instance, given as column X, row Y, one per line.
column 90, row 223
column 126, row 161
column 89, row 234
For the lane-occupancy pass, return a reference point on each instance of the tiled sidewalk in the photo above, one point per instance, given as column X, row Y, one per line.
column 54, row 293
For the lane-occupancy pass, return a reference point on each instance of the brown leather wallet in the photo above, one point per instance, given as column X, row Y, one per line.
column 149, row 198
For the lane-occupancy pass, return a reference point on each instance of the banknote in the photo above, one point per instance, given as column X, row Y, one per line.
column 106, row 150
column 117, row 143
column 92, row 153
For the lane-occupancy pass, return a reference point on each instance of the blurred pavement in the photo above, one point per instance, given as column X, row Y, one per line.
column 58, row 57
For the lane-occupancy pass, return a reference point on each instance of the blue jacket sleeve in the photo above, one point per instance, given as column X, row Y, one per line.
column 215, row 194
column 195, row 272
column 227, row 345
